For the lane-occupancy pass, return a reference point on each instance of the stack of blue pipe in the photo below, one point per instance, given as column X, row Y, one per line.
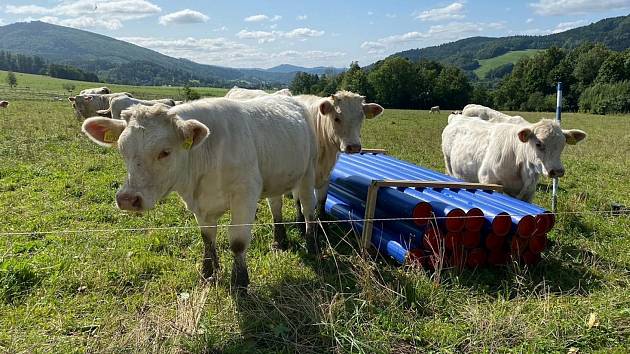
column 403, row 239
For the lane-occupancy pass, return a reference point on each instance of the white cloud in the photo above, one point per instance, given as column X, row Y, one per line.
column 87, row 14
column 374, row 47
column 1, row 22
column 302, row 17
column 220, row 29
column 529, row 20
column 221, row 51
column 574, row 7
column 453, row 11
column 370, row 13
column 273, row 26
column 185, row 16
column 391, row 15
column 270, row 36
column 261, row 18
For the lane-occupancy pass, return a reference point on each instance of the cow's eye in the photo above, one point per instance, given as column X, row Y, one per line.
column 163, row 154
column 540, row 146
column 337, row 120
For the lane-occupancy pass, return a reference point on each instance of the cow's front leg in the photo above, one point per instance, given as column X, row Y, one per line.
column 210, row 264
column 299, row 216
column 279, row 231
column 321, row 194
column 307, row 200
column 243, row 213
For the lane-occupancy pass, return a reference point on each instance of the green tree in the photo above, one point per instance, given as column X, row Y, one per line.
column 11, row 79
column 452, row 88
column 190, row 94
column 304, row 83
column 356, row 80
column 394, row 82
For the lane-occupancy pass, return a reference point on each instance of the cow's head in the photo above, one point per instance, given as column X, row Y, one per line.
column 82, row 106
column 546, row 141
column 155, row 146
column 345, row 112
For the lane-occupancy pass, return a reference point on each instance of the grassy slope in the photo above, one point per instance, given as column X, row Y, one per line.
column 139, row 291
column 37, row 87
column 510, row 57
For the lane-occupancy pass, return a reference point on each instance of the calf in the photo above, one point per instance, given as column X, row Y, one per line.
column 96, row 91
column 507, row 154
column 87, row 105
column 217, row 154
column 491, row 115
column 120, row 103
column 435, row 109
column 237, row 93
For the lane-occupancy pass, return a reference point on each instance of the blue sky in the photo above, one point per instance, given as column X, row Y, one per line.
column 247, row 33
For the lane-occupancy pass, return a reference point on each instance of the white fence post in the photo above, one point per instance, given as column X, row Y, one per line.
column 554, row 200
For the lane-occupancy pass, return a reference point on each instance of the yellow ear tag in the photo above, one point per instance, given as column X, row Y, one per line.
column 187, row 143
column 109, row 137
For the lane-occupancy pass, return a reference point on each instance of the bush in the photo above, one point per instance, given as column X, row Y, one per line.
column 190, row 94
column 606, row 98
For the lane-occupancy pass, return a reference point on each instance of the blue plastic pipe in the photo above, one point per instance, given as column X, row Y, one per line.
column 386, row 243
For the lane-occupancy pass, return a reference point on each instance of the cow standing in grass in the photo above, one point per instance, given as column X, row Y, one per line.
column 217, row 154
column 337, row 121
column 434, row 109
column 87, row 105
column 511, row 155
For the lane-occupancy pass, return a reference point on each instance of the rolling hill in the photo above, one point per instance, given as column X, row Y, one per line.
column 121, row 62
column 467, row 53
column 486, row 65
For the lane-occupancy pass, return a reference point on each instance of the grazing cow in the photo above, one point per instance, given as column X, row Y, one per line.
column 4, row 104
column 491, row 115
column 217, row 154
column 507, row 154
column 435, row 109
column 237, row 93
column 86, row 105
column 119, row 104
column 96, row 91
column 337, row 120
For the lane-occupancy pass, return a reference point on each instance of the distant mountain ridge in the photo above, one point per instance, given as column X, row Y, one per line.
column 117, row 61
column 613, row 32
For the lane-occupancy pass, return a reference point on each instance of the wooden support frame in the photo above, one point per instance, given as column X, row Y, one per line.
column 370, row 203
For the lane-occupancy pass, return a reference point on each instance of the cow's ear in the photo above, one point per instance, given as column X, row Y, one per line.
column 326, row 107
column 103, row 131
column 193, row 133
column 87, row 98
column 524, row 134
column 372, row 110
column 574, row 136
column 71, row 99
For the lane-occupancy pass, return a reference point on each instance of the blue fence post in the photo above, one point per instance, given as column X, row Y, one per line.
column 554, row 200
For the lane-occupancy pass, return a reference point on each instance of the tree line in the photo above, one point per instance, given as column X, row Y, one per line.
column 596, row 80
column 36, row 65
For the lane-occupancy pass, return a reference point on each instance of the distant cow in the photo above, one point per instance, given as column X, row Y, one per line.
column 96, row 91
column 337, row 120
column 237, row 93
column 491, row 115
column 87, row 105
column 217, row 154
column 120, row 103
column 435, row 109
column 4, row 104
column 507, row 154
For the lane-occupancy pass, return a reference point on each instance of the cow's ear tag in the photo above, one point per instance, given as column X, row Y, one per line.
column 109, row 137
column 187, row 143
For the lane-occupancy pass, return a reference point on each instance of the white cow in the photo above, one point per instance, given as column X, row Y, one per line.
column 86, row 105
column 96, row 91
column 507, row 154
column 119, row 104
column 4, row 104
column 491, row 115
column 435, row 109
column 337, row 120
column 237, row 93
column 217, row 154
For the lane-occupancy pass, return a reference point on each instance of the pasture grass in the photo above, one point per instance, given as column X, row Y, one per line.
column 109, row 290
column 485, row 65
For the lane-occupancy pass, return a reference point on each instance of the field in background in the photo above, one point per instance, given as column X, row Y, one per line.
column 113, row 291
column 510, row 57
column 38, row 87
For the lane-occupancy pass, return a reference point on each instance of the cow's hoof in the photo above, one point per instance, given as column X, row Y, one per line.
column 240, row 279
column 279, row 238
column 279, row 246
